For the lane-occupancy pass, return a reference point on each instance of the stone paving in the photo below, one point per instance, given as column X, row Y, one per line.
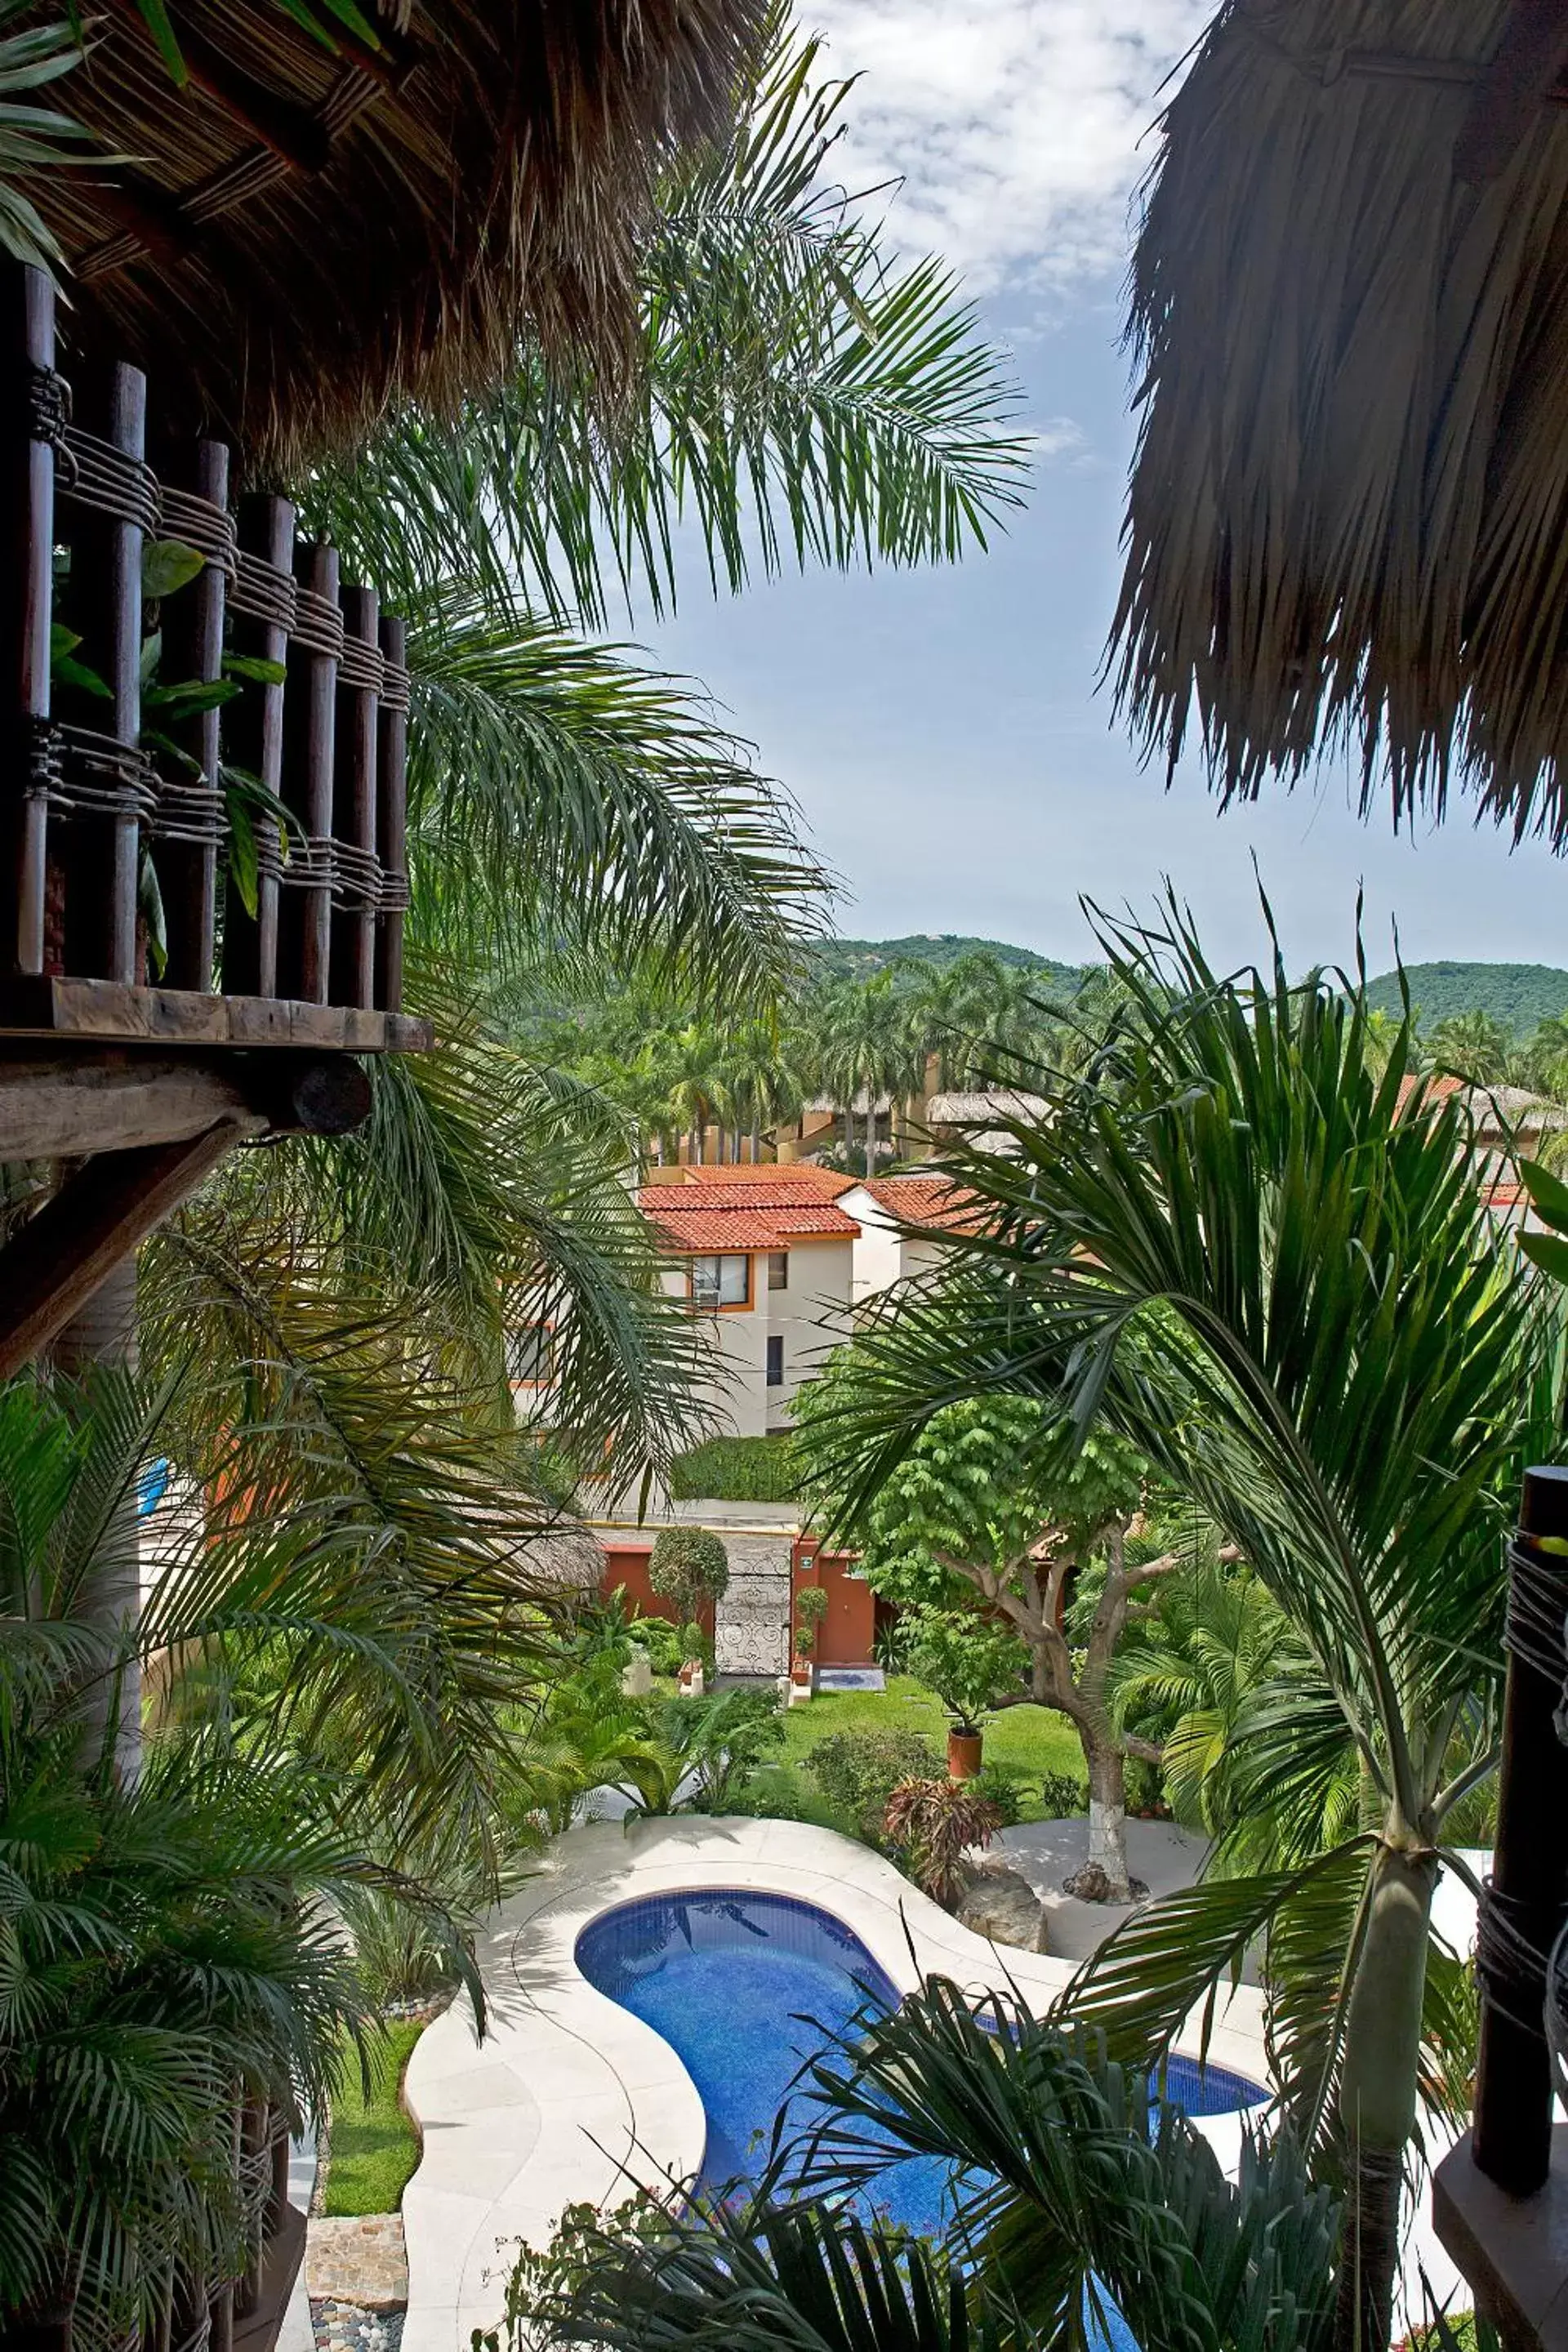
column 359, row 2260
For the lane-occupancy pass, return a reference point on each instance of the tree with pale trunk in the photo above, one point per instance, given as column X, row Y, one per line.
column 993, row 1505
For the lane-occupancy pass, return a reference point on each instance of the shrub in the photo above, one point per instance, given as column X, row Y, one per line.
column 688, row 1567
column 857, row 1771
column 1145, row 1786
column 970, row 1663
column 661, row 1640
column 999, row 1789
column 1062, row 1796
column 737, row 1470
column 935, row 1823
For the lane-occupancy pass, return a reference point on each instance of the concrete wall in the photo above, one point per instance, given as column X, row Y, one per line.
column 809, row 1317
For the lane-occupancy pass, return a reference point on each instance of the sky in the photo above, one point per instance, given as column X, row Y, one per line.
column 941, row 731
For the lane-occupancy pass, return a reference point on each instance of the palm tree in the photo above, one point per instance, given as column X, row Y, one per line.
column 1474, row 1046
column 865, row 1052
column 1227, row 1243
column 578, row 822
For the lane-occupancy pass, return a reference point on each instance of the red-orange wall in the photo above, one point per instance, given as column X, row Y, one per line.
column 848, row 1630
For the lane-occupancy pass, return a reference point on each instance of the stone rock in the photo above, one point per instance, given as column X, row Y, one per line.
column 999, row 1903
column 359, row 2262
column 1090, row 1885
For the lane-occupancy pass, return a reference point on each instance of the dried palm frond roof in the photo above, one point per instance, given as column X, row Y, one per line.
column 1348, row 517
column 302, row 232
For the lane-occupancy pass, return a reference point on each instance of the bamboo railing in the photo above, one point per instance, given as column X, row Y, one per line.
column 101, row 826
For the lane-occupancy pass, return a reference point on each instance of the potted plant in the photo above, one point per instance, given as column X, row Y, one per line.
column 810, row 1609
column 971, row 1664
column 693, row 1659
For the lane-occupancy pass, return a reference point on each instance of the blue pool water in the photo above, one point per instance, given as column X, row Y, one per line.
column 744, row 1987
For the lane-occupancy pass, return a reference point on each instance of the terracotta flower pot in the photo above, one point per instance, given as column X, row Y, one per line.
column 963, row 1755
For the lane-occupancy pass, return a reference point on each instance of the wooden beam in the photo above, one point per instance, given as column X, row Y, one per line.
column 43, row 1006
column 121, row 1099
column 1528, row 61
column 98, row 1217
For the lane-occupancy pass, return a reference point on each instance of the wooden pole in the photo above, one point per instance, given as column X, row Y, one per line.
column 354, row 924
column 392, row 823
column 193, row 621
column 255, row 734
column 102, row 869
column 1525, row 1903
column 309, row 743
column 28, row 472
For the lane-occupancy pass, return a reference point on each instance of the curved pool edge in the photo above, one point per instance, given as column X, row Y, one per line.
column 569, row 2090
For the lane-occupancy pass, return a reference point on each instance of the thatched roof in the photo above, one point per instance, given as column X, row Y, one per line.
column 303, row 234
column 1349, row 509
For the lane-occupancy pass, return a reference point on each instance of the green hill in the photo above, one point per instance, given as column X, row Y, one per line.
column 862, row 959
column 1517, row 995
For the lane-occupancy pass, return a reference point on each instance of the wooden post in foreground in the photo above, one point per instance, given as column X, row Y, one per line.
column 1527, row 1898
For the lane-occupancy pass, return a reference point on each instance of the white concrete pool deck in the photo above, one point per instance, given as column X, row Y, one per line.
column 569, row 2097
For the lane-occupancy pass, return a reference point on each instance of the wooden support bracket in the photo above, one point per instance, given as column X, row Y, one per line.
column 53, row 1265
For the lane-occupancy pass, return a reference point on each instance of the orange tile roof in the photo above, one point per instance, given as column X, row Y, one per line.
column 924, row 1200
column 745, row 1187
column 1433, row 1089
column 711, row 1231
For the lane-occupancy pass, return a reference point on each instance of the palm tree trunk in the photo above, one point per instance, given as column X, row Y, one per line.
column 871, row 1138
column 102, row 1334
column 1377, row 2089
column 756, row 1139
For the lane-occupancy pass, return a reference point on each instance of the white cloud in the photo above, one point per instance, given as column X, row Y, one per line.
column 1059, row 439
column 1015, row 124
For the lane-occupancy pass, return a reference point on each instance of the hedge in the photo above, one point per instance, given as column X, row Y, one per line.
column 737, row 1470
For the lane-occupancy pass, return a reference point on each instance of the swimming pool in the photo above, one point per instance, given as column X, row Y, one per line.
column 745, row 1986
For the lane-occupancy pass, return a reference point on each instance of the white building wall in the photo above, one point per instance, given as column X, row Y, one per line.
column 740, row 1334
column 878, row 1255
column 810, row 1316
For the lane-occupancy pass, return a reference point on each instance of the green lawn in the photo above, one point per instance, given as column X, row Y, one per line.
column 374, row 2147
column 1025, row 1741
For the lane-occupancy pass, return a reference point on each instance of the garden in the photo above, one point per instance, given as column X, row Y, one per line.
column 1189, row 1464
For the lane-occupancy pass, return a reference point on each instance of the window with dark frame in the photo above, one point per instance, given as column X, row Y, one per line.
column 717, row 1282
column 775, row 1363
column 778, row 1269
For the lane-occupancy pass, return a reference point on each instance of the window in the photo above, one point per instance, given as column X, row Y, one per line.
column 775, row 1363
column 778, row 1269
column 719, row 1281
column 529, row 1355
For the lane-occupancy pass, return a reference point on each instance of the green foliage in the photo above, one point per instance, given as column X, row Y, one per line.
column 982, row 1479
column 971, row 1663
column 1064, row 1796
column 374, row 2148
column 737, row 1470
column 34, row 138
column 1000, row 1791
column 859, row 1770
column 1518, row 995
column 933, row 1825
column 662, row 1642
column 689, row 1568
